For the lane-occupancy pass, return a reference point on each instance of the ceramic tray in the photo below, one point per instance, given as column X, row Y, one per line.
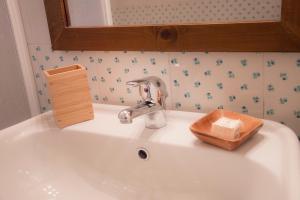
column 202, row 127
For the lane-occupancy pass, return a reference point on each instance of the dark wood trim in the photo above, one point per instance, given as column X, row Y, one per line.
column 230, row 37
column 291, row 19
column 57, row 20
column 67, row 13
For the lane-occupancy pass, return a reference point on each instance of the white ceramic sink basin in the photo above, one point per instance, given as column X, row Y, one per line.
column 99, row 159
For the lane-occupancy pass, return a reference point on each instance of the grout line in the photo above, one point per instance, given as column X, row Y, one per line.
column 172, row 107
column 264, row 79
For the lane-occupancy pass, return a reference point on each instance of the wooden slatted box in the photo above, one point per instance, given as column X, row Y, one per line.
column 70, row 96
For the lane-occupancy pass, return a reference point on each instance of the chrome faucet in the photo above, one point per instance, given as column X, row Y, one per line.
column 153, row 105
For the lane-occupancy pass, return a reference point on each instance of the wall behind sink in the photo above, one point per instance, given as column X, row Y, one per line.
column 265, row 85
column 14, row 106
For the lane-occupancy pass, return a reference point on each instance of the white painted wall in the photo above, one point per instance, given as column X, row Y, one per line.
column 14, row 105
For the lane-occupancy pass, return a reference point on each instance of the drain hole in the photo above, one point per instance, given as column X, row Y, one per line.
column 143, row 154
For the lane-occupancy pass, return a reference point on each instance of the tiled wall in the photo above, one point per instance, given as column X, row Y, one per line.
column 265, row 85
column 125, row 12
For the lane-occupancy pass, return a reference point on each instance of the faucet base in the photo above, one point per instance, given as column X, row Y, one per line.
column 156, row 120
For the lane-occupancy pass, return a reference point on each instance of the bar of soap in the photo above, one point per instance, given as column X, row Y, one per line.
column 226, row 128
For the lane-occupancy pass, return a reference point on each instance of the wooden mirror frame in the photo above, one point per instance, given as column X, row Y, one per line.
column 266, row 36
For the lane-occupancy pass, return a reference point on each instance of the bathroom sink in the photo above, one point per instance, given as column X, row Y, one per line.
column 103, row 159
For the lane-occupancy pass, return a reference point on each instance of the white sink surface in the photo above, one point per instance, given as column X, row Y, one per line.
column 98, row 160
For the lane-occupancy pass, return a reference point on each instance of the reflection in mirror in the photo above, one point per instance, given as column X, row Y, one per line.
column 153, row 12
column 89, row 13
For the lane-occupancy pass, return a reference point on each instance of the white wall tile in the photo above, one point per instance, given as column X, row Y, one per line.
column 198, row 82
column 251, row 72
column 282, row 88
column 205, row 81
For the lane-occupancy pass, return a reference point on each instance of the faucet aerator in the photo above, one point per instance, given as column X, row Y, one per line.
column 124, row 117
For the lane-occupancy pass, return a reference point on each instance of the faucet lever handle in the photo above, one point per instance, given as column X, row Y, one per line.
column 144, row 88
column 151, row 89
column 150, row 80
column 138, row 82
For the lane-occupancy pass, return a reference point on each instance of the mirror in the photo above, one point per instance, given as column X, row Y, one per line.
column 158, row 12
column 175, row 25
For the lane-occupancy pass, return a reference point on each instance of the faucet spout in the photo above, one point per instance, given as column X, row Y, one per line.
column 127, row 115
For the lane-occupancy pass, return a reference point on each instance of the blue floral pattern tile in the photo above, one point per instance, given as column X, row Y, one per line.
column 107, row 72
column 282, row 85
column 264, row 85
column 221, row 80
